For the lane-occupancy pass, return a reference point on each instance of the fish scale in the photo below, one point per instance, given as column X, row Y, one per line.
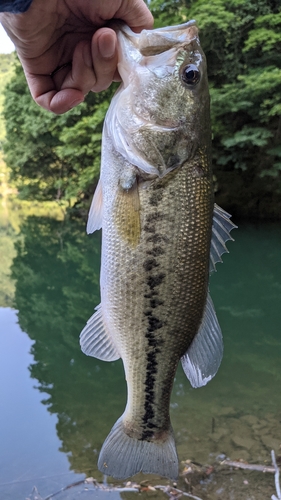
column 155, row 204
column 183, row 295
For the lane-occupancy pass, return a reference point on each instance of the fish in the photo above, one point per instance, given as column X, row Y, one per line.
column 162, row 235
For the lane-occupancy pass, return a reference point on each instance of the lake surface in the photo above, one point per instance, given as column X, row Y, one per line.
column 57, row 405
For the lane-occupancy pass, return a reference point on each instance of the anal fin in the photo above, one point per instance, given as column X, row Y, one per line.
column 203, row 358
column 96, row 341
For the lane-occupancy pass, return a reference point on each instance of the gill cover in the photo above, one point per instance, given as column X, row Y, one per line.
column 151, row 53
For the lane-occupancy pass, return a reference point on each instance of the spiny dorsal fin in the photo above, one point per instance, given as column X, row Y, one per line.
column 96, row 341
column 220, row 234
column 127, row 214
column 95, row 213
column 202, row 359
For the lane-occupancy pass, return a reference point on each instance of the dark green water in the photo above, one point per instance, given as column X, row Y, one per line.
column 57, row 405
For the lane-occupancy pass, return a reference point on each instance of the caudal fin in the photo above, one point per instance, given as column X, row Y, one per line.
column 122, row 456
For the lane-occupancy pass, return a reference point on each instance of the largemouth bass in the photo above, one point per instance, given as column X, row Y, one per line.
column 161, row 236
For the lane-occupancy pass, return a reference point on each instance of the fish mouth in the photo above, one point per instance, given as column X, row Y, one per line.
column 133, row 47
column 156, row 41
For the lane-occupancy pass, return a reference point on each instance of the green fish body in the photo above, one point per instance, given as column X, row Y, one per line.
column 161, row 236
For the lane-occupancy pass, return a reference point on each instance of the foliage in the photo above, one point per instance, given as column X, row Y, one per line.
column 80, row 146
column 6, row 73
column 58, row 157
column 245, row 80
column 242, row 44
column 52, row 157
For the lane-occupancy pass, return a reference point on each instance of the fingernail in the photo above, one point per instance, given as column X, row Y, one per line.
column 107, row 47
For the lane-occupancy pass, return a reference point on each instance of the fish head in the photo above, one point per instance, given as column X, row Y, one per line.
column 162, row 107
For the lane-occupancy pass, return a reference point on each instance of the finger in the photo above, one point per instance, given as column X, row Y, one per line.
column 82, row 75
column 104, row 56
column 60, row 102
column 45, row 94
column 136, row 14
column 68, row 86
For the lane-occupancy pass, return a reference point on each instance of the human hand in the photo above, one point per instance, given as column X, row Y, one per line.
column 65, row 48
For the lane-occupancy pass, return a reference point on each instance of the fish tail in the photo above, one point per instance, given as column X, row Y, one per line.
column 122, row 456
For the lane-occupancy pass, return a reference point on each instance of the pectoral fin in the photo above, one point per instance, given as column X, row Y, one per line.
column 203, row 357
column 127, row 215
column 95, row 213
column 96, row 341
column 220, row 234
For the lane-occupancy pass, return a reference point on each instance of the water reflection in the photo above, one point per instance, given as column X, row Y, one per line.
column 7, row 252
column 57, row 286
column 57, row 274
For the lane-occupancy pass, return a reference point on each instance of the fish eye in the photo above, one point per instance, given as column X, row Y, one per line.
column 190, row 75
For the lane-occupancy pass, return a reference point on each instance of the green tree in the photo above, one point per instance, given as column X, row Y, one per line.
column 58, row 157
column 242, row 43
column 6, row 73
column 52, row 157
column 245, row 81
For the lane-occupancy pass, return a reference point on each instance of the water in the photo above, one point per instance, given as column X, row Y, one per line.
column 57, row 405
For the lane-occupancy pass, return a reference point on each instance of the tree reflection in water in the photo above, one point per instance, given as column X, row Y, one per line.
column 57, row 274
column 57, row 287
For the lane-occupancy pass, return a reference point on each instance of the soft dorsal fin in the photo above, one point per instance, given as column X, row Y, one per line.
column 95, row 213
column 96, row 341
column 221, row 228
column 202, row 359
